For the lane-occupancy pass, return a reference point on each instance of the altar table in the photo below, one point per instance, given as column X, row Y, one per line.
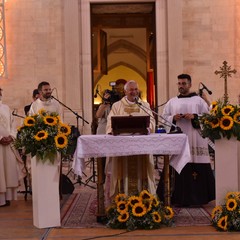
column 97, row 146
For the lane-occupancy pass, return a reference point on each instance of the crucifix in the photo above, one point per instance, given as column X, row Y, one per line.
column 225, row 73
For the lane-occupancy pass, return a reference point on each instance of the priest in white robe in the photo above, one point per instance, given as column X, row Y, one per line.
column 45, row 101
column 9, row 168
column 130, row 174
column 195, row 185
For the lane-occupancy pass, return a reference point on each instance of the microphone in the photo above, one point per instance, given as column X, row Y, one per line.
column 170, row 124
column 204, row 87
column 96, row 92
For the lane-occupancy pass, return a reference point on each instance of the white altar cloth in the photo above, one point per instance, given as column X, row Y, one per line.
column 175, row 145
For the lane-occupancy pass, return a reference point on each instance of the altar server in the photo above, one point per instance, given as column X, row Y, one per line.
column 195, row 185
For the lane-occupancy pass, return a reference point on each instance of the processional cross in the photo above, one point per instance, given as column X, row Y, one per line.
column 225, row 73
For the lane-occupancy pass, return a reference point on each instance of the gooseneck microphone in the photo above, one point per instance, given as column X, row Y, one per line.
column 204, row 87
column 169, row 124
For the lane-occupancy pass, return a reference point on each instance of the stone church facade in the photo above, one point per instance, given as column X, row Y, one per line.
column 50, row 40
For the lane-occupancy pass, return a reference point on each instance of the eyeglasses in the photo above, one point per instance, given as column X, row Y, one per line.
column 182, row 83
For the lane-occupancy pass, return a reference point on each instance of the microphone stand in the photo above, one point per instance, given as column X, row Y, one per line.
column 176, row 128
column 16, row 115
column 75, row 113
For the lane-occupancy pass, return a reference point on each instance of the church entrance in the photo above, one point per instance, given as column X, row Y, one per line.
column 123, row 48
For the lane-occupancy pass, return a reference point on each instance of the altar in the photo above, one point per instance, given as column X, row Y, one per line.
column 96, row 146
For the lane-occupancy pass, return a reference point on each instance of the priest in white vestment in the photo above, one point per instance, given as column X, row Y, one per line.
column 195, row 185
column 45, row 102
column 9, row 168
column 130, row 174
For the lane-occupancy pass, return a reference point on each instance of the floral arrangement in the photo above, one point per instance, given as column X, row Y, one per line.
column 222, row 121
column 227, row 216
column 43, row 135
column 143, row 211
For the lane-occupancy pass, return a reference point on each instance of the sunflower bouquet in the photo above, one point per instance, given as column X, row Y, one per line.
column 43, row 135
column 143, row 211
column 222, row 121
column 227, row 216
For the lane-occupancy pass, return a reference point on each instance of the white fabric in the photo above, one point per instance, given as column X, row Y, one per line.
column 89, row 146
column 50, row 106
column 196, row 105
column 9, row 169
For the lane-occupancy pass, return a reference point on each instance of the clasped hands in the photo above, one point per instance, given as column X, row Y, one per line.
column 187, row 116
column 6, row 140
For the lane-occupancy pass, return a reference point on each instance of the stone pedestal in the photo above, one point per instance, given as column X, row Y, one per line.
column 227, row 168
column 45, row 194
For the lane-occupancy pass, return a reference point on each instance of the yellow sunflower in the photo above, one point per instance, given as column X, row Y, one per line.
column 139, row 210
column 133, row 200
column 156, row 217
column 145, row 195
column 226, row 122
column 122, row 206
column 230, row 195
column 222, row 223
column 155, row 202
column 120, row 197
column 123, row 217
column 214, row 104
column 50, row 120
column 41, row 135
column 61, row 141
column 148, row 205
column 231, row 204
column 217, row 209
column 214, row 123
column 236, row 117
column 41, row 111
column 65, row 129
column 29, row 121
column 227, row 110
column 169, row 213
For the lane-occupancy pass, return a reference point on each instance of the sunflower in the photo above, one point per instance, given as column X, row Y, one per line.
column 216, row 210
column 230, row 195
column 214, row 104
column 65, row 129
column 41, row 135
column 123, row 217
column 222, row 223
column 226, row 122
column 169, row 213
column 155, row 202
column 227, row 110
column 145, row 195
column 50, row 120
column 139, row 210
column 41, row 111
column 156, row 217
column 61, row 141
column 214, row 123
column 231, row 204
column 120, row 197
column 236, row 117
column 133, row 200
column 148, row 205
column 29, row 121
column 122, row 206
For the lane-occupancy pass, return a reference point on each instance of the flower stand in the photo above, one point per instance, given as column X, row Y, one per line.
column 45, row 194
column 227, row 168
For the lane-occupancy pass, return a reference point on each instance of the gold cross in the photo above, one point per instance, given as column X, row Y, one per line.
column 194, row 175
column 225, row 73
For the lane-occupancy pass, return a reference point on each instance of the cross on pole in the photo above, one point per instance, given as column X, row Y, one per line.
column 225, row 73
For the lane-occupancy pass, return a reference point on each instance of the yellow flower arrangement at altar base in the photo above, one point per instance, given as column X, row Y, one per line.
column 222, row 121
column 227, row 216
column 43, row 135
column 138, row 212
